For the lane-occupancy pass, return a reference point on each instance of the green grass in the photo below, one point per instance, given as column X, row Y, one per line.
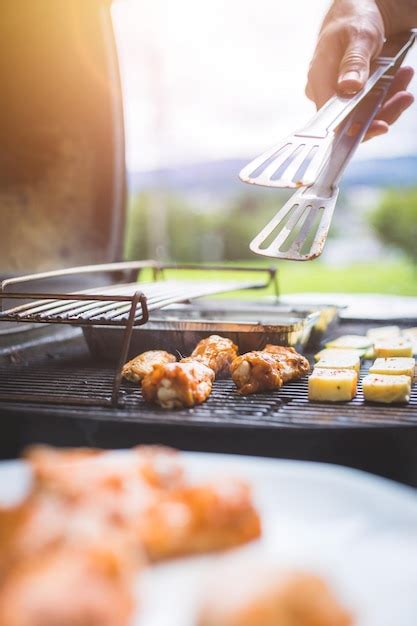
column 397, row 277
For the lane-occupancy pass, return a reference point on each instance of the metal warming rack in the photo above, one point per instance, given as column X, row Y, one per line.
column 123, row 305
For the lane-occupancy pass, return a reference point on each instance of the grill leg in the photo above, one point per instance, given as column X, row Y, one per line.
column 125, row 348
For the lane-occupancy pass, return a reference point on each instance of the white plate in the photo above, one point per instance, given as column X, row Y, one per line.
column 358, row 530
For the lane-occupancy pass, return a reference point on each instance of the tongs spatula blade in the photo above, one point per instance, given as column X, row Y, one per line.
column 299, row 230
column 300, row 157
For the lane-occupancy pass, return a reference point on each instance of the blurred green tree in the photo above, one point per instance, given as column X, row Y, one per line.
column 198, row 230
column 395, row 221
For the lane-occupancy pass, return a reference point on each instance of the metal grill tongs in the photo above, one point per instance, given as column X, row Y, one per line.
column 299, row 230
column 298, row 159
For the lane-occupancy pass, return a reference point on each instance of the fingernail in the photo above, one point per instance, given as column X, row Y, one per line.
column 351, row 75
column 345, row 81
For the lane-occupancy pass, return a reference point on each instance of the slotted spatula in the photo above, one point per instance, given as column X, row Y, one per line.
column 298, row 160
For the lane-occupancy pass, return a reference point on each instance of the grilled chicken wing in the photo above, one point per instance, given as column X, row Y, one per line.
column 200, row 518
column 143, row 364
column 294, row 365
column 178, row 385
column 216, row 352
column 271, row 599
column 256, row 371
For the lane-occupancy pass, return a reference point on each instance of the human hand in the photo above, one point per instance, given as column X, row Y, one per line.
column 352, row 34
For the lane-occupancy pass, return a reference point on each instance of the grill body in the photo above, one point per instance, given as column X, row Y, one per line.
column 62, row 169
column 284, row 424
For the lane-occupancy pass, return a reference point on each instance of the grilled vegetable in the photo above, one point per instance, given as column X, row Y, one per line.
column 345, row 362
column 387, row 389
column 331, row 385
column 357, row 342
column 394, row 347
column 394, row 365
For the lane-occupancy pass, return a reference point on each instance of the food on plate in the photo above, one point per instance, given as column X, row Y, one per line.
column 394, row 365
column 63, row 471
column 338, row 353
column 63, row 587
column 70, row 552
column 272, row 598
column 383, row 332
column 178, row 385
column 386, row 388
column 143, row 364
column 345, row 362
column 216, row 352
column 332, row 385
column 293, row 365
column 393, row 347
column 201, row 518
column 357, row 342
column 256, row 371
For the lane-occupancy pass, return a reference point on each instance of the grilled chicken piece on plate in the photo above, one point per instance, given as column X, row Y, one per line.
column 249, row 596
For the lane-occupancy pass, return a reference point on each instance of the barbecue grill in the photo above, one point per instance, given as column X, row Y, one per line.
column 62, row 185
column 63, row 395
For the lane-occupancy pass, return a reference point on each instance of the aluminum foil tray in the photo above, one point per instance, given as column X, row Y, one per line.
column 178, row 328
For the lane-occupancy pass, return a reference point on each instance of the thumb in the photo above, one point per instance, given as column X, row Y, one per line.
column 354, row 67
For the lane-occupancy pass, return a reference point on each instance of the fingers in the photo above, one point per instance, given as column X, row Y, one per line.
column 322, row 76
column 355, row 64
column 341, row 61
column 377, row 128
column 389, row 113
column 401, row 80
column 395, row 106
column 398, row 100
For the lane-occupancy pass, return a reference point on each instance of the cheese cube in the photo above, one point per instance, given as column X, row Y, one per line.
column 345, row 362
column 411, row 335
column 336, row 353
column 327, row 385
column 370, row 353
column 386, row 389
column 357, row 342
column 398, row 365
column 393, row 347
column 383, row 332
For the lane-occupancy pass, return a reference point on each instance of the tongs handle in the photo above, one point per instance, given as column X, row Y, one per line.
column 352, row 131
column 338, row 108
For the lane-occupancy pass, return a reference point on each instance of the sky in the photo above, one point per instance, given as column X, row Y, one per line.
column 206, row 80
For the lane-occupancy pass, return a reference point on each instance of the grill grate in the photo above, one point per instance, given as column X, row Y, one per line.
column 123, row 305
column 112, row 305
column 89, row 385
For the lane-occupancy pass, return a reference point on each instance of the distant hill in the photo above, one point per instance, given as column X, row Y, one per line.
column 222, row 176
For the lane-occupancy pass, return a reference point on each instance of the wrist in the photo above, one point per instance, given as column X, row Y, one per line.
column 398, row 15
